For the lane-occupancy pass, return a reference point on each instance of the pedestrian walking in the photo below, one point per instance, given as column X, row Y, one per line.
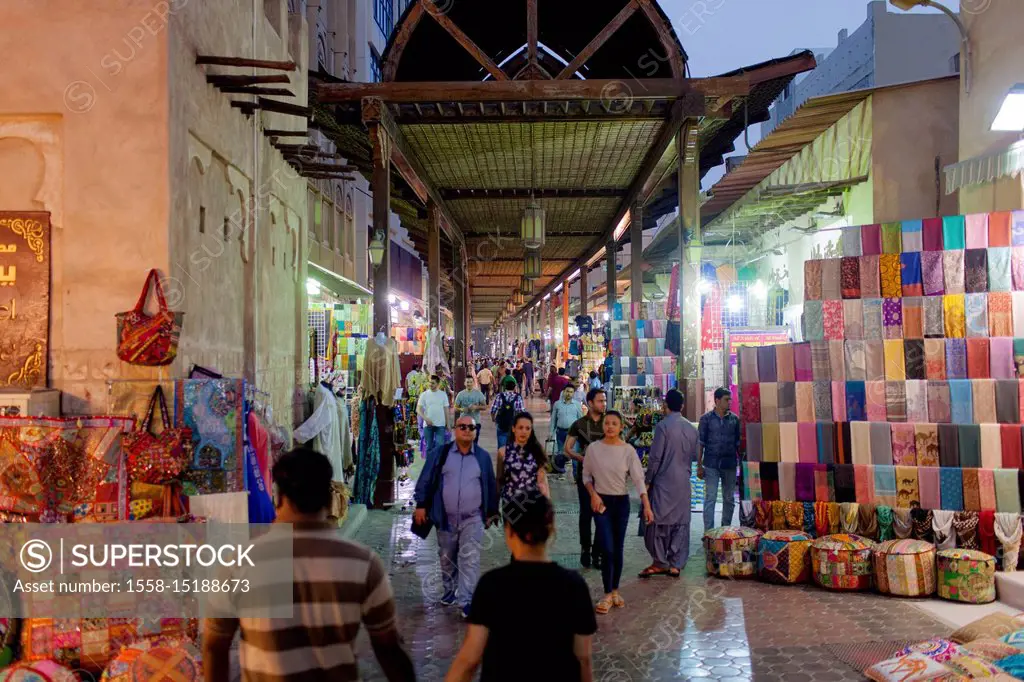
column 595, row 380
column 607, row 464
column 528, row 372
column 318, row 641
column 556, row 385
column 521, row 463
column 485, row 377
column 584, row 431
column 717, row 455
column 512, row 600
column 504, row 409
column 519, row 375
column 432, row 407
column 456, row 492
column 471, row 402
column 668, row 485
column 566, row 413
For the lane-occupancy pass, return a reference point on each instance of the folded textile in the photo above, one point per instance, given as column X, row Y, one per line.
column 860, row 442
column 910, row 274
column 871, row 239
column 913, row 239
column 926, row 444
column 953, row 316
column 875, row 406
column 849, row 276
column 831, row 287
column 881, row 443
column 778, row 515
column 826, row 439
column 789, row 442
column 902, row 523
column 850, row 241
column 965, row 528
column 874, row 329
column 807, row 439
column 913, row 317
column 839, row 401
column 787, row 401
column 755, row 449
column 976, row 315
column 904, row 452
column 766, row 369
column 890, row 276
column 832, row 310
column 999, row 229
column 987, row 531
column 885, row 484
column 931, row 273
column 1007, row 492
column 769, row 480
column 853, row 319
column 803, row 362
column 956, row 358
column 805, row 482
column 856, row 401
column 1010, row 437
column 953, row 272
column 845, row 483
column 769, row 401
column 867, row 521
column 843, row 444
column 837, row 360
column 979, row 364
column 750, row 403
column 935, row 359
column 991, row 446
column 1017, row 268
column 938, row 402
column 949, row 445
column 771, row 448
column 987, row 489
column 1008, row 531
column 822, row 394
column 922, row 521
column 951, row 488
column 972, row 490
column 785, row 363
column 934, row 317
column 787, row 481
column 917, row 402
column 908, row 492
column 763, row 515
column 961, row 402
column 752, row 481
column 820, row 365
column 896, row 401
column 931, row 229
column 892, row 318
column 892, row 238
column 942, row 527
column 870, row 277
column 885, row 522
column 913, row 354
column 895, row 368
column 929, row 488
column 809, row 520
column 849, row 517
column 748, row 517
column 976, row 229
column 984, row 401
column 856, row 361
column 999, row 276
column 805, row 401
column 874, row 360
column 821, row 518
column 812, row 280
column 953, row 232
column 1001, row 358
column 976, row 271
column 968, row 438
column 747, row 356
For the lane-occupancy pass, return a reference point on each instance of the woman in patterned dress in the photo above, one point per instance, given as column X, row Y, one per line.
column 521, row 463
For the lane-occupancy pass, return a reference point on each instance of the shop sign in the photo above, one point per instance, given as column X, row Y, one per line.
column 24, row 298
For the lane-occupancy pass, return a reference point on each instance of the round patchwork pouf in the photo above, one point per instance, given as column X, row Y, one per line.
column 156, row 660
column 905, row 568
column 731, row 551
column 842, row 562
column 784, row 557
column 966, row 575
column 37, row 671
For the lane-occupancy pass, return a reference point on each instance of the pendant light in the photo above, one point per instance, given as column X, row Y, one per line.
column 531, row 227
column 526, row 286
column 376, row 248
column 532, row 266
column 518, row 298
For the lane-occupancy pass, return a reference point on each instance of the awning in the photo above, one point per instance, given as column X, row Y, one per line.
column 988, row 168
column 342, row 287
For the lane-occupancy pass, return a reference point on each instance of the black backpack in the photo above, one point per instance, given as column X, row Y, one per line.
column 506, row 413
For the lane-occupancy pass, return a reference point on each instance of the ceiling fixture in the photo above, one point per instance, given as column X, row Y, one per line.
column 526, row 286
column 1011, row 114
column 376, row 248
column 531, row 227
column 532, row 265
column 517, row 298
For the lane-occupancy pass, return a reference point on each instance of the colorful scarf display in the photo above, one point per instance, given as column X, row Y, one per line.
column 856, row 401
column 949, row 445
column 892, row 318
column 787, row 401
column 874, row 360
column 999, row 229
column 895, row 367
column 913, row 352
column 956, row 358
column 976, row 231
column 929, row 487
column 803, row 362
column 951, row 488
column 991, row 447
column 769, row 402
column 953, row 315
column 885, row 485
column 820, row 365
column 978, row 362
column 934, row 317
column 850, row 241
column 961, row 401
column 850, row 277
column 1010, row 440
column 1000, row 314
column 870, row 277
column 939, row 409
column 892, row 238
column 896, row 401
column 875, row 406
column 953, row 232
column 1017, row 268
column 812, row 280
column 913, row 317
column 999, row 276
column 972, row 490
column 976, row 315
column 911, row 279
column 976, row 271
column 826, row 441
column 889, row 274
column 1007, row 492
column 853, row 319
column 933, row 283
column 953, row 272
column 748, row 365
column 917, row 402
column 984, row 400
column 881, row 443
column 926, row 444
column 789, row 443
column 908, row 493
column 832, row 310
column 822, row 395
column 932, row 234
column 785, row 365
column 904, row 452
column 837, row 360
column 831, row 285
column 935, row 358
column 755, row 447
column 839, row 401
column 874, row 328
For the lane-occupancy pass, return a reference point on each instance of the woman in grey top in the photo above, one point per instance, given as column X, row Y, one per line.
column 607, row 464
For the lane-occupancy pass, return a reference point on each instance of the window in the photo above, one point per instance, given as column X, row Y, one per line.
column 375, row 72
column 313, row 202
column 327, row 216
column 350, row 227
column 383, row 14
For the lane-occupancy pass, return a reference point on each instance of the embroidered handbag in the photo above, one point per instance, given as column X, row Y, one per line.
column 157, row 458
column 150, row 340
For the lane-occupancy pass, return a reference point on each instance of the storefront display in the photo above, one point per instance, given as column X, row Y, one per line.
column 638, row 346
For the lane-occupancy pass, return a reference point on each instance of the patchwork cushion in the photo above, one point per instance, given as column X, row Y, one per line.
column 37, row 671
column 156, row 660
column 972, row 667
column 992, row 626
column 1015, row 639
column 966, row 575
column 991, row 649
column 1012, row 665
column 731, row 551
column 940, row 650
column 905, row 567
column 842, row 562
column 784, row 557
column 909, row 668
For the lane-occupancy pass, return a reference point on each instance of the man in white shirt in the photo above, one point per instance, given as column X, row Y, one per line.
column 485, row 377
column 432, row 408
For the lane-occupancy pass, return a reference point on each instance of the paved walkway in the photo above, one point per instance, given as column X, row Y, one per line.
column 692, row 628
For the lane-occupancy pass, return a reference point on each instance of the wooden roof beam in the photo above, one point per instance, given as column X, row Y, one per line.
column 442, row 18
column 532, row 32
column 213, row 60
column 220, row 80
column 255, row 90
column 599, row 40
column 274, row 132
column 460, row 193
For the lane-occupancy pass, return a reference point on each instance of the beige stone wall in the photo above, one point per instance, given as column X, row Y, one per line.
column 912, row 126
column 83, row 134
column 995, row 28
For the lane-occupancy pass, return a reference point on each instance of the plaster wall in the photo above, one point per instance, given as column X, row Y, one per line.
column 995, row 31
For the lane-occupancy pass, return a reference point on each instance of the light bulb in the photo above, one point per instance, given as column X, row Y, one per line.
column 404, row 305
column 703, row 286
column 312, row 287
column 759, row 289
column 734, row 303
column 392, row 299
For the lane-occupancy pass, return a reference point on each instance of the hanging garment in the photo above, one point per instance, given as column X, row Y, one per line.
column 814, row 321
column 911, row 279
column 874, row 406
column 785, row 365
column 849, row 519
column 885, row 522
column 870, row 277
column 949, row 445
column 1007, row 491
column 892, row 318
column 942, row 526
column 892, row 238
column 953, row 272
column 961, row 401
column 913, row 317
column 856, row 401
column 873, row 328
column 979, row 364
column 902, row 523
column 820, row 365
column 934, row 317
column 913, row 352
column 896, row 401
column 913, row 239
column 956, row 358
column 953, row 315
column 1010, row 437
column 803, row 362
column 839, row 401
column 908, row 491
column 885, row 484
column 889, row 274
column 805, row 402
column 855, row 361
column 965, row 527
column 999, row 228
column 864, row 483
column 324, row 430
column 1017, row 268
column 821, row 528
column 1008, row 531
column 747, row 514
column 926, row 444
column 755, row 446
column 935, row 359
column 953, row 232
column 917, row 402
column 999, row 275
column 923, row 524
column 368, row 464
column 984, row 401
column 849, row 272
column 933, row 283
column 845, row 483
column 976, row 271
column 826, row 443
column 812, row 280
column 895, row 368
column 904, row 451
column 972, row 490
column 874, row 360
column 853, row 319
column 259, row 502
column 822, row 395
column 939, row 402
column 837, row 360
column 1000, row 314
column 932, row 234
column 987, row 489
column 867, row 521
column 976, row 315
column 833, row 319
column 968, row 438
column 850, row 241
column 976, row 231
column 871, row 239
column 929, row 487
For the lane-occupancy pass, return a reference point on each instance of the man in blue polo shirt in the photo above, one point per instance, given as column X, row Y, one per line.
column 717, row 455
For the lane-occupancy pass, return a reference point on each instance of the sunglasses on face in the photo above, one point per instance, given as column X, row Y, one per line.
column 466, row 427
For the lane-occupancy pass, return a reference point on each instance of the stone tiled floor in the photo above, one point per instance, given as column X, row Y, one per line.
column 693, row 628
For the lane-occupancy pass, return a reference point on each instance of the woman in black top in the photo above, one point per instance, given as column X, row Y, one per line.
column 515, row 599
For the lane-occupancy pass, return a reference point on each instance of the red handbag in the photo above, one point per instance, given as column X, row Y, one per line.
column 157, row 458
column 150, row 340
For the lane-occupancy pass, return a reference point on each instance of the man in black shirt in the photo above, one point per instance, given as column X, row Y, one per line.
column 511, row 601
column 586, row 430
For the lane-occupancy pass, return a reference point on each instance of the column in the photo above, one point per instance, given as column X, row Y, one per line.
column 434, row 266
column 461, row 344
column 636, row 253
column 551, row 319
column 584, row 289
column 612, row 276
column 565, row 321
column 380, row 184
column 690, row 366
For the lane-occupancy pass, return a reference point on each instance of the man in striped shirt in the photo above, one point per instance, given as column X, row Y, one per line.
column 337, row 587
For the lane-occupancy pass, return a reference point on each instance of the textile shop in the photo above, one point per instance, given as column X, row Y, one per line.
column 176, row 452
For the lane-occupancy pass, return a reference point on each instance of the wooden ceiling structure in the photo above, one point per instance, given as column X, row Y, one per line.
column 576, row 102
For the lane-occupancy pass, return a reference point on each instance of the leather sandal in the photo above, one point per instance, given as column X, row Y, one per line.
column 604, row 605
column 652, row 571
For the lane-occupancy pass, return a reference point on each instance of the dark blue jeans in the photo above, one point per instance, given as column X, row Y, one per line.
column 560, row 458
column 611, row 536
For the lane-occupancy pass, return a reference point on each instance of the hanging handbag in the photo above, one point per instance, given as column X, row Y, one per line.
column 150, row 340
column 157, row 458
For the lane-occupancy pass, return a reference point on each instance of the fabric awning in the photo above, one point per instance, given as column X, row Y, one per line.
column 988, row 168
column 342, row 287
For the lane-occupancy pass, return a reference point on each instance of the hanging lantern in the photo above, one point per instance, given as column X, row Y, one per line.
column 518, row 297
column 532, row 266
column 532, row 225
column 526, row 286
column 376, row 248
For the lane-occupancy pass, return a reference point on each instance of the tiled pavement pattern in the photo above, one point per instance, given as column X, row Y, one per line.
column 692, row 628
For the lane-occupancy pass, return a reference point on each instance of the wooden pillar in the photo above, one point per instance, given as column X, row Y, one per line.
column 636, row 253
column 690, row 252
column 434, row 266
column 461, row 344
column 566, row 299
column 584, row 290
column 612, row 276
column 380, row 185
column 551, row 319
